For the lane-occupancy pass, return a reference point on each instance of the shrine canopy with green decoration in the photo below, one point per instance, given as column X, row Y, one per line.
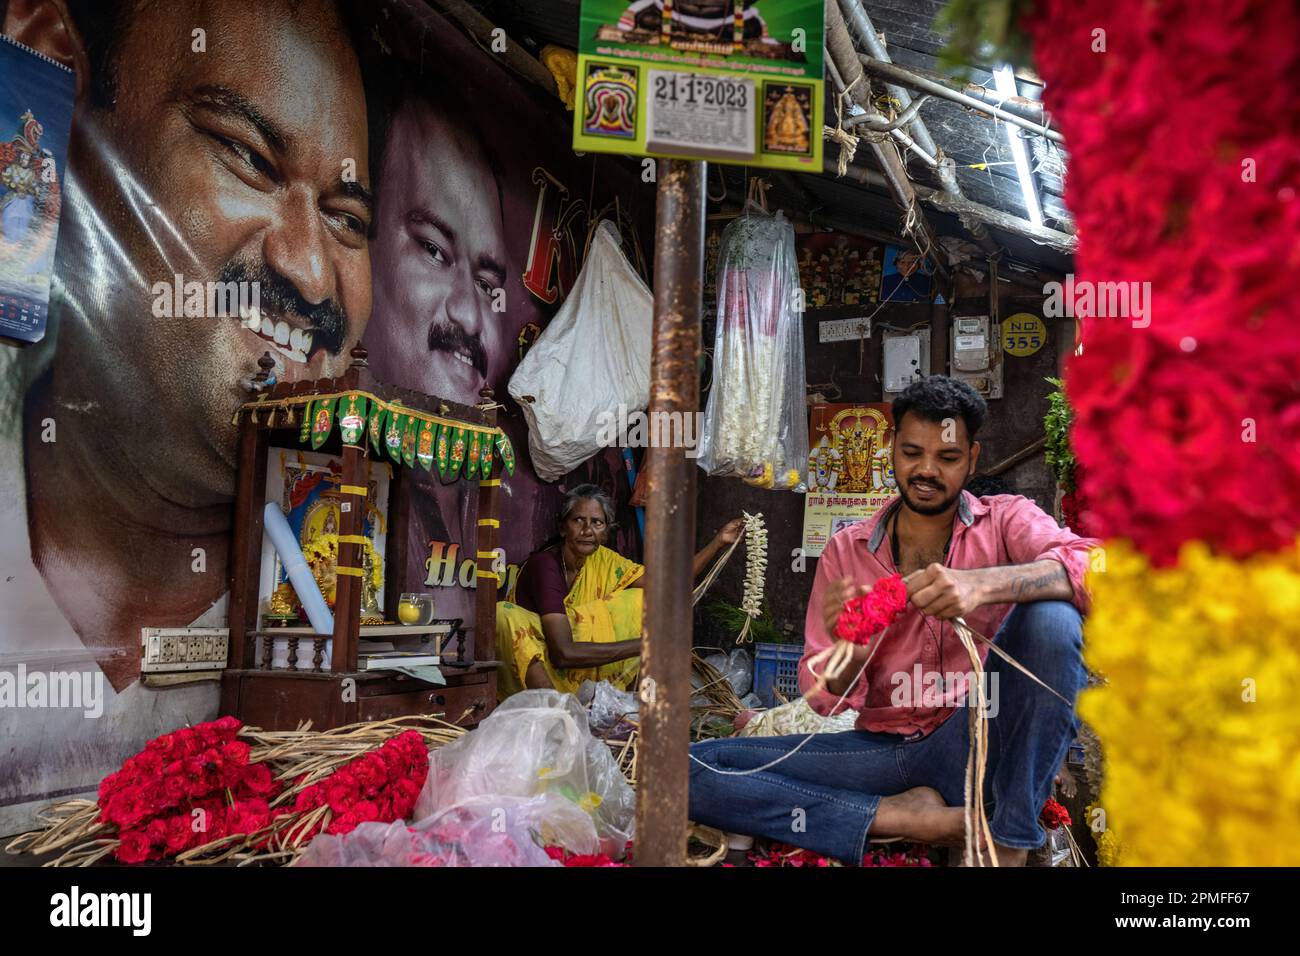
column 409, row 436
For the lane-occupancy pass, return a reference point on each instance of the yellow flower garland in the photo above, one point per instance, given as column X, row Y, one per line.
column 326, row 546
column 1199, row 713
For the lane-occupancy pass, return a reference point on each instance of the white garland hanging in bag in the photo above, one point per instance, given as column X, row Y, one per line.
column 756, row 424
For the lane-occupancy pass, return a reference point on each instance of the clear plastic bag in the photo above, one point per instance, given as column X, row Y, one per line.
column 609, row 709
column 737, row 667
column 756, row 421
column 508, row 832
column 534, row 745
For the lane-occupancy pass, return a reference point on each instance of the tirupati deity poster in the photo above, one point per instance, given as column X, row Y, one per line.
column 850, row 469
column 36, row 99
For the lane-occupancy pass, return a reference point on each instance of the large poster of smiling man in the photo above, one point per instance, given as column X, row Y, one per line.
column 476, row 241
column 232, row 144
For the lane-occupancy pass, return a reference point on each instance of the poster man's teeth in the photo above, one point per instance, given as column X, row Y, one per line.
column 465, row 358
column 292, row 343
column 294, row 355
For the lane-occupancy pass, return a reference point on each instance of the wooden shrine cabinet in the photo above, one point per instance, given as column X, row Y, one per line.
column 280, row 698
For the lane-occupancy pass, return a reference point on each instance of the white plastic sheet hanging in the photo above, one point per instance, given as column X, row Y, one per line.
column 593, row 358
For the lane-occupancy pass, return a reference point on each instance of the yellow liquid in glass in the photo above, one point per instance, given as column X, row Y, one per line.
column 408, row 613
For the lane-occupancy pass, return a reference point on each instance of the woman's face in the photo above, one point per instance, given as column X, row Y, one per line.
column 585, row 528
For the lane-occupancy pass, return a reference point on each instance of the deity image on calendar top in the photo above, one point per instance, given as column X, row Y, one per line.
column 787, row 119
column 721, row 27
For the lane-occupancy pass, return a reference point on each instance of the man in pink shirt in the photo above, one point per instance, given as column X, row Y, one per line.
column 1003, row 566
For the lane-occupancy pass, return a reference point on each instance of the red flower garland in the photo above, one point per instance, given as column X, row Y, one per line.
column 865, row 616
column 1190, row 425
column 380, row 786
column 783, row 855
column 1054, row 815
column 186, row 788
column 584, row 859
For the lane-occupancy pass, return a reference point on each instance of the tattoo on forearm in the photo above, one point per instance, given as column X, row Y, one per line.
column 1031, row 585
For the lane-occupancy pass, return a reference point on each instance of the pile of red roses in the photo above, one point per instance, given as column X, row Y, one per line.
column 1187, row 419
column 782, row 854
column 897, row 858
column 186, row 788
column 1054, row 815
column 586, row 859
column 380, row 786
column 865, row 616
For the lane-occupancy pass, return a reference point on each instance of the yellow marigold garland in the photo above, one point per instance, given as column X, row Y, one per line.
column 326, row 547
column 1202, row 663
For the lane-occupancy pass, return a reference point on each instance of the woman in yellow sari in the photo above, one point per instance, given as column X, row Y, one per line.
column 574, row 613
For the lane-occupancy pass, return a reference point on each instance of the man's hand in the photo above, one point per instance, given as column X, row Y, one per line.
column 942, row 592
column 833, row 598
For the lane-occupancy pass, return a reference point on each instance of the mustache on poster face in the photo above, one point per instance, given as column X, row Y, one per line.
column 449, row 337
column 278, row 296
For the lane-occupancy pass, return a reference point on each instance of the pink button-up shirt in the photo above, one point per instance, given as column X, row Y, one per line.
column 987, row 532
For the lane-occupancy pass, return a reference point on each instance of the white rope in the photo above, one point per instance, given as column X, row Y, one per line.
column 974, row 814
column 767, row 766
column 714, row 571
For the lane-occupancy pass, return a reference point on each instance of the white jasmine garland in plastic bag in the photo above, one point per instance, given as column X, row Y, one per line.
column 756, row 421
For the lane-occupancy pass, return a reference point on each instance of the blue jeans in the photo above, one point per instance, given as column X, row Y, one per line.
column 824, row 797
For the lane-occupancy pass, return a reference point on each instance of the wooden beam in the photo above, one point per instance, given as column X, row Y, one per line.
column 1029, row 451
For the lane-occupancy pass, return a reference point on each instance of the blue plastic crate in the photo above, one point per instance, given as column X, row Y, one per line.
column 776, row 667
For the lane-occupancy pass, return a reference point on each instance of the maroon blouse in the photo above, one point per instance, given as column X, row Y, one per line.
column 541, row 587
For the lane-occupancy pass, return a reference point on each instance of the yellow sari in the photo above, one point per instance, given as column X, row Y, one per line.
column 602, row 608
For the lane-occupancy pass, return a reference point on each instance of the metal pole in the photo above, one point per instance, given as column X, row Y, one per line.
column 965, row 209
column 840, row 54
column 857, row 17
column 665, row 692
column 890, row 72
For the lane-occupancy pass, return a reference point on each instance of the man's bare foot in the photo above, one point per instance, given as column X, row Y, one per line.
column 919, row 814
column 1065, row 780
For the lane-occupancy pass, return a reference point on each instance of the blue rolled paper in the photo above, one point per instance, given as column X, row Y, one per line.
column 295, row 566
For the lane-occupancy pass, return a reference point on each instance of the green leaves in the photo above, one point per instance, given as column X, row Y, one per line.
column 730, row 619
column 980, row 33
column 1059, row 454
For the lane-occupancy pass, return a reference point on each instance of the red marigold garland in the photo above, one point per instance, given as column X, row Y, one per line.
column 869, row 614
column 785, row 855
column 1188, row 418
column 1054, row 815
column 861, row 619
